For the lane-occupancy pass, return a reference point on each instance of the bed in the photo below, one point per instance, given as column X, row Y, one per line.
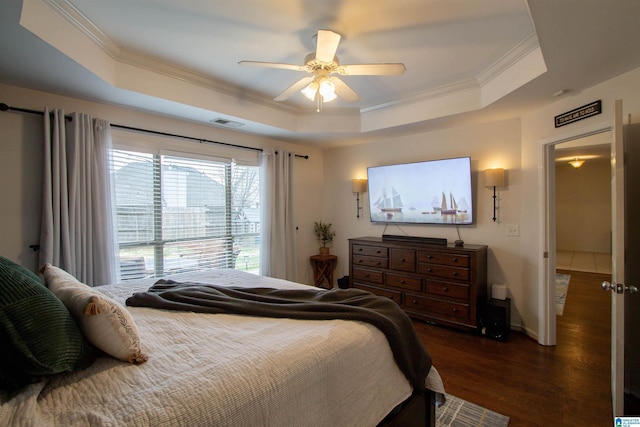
column 228, row 369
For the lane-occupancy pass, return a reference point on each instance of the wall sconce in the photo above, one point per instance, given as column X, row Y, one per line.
column 358, row 186
column 576, row 163
column 494, row 178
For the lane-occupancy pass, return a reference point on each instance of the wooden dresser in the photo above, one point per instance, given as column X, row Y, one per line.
column 437, row 283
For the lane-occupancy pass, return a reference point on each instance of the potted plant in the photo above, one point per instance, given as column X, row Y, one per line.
column 325, row 235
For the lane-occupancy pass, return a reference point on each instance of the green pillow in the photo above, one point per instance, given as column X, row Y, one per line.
column 38, row 336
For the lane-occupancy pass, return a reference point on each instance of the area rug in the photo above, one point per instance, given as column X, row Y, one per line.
column 459, row 413
column 562, row 285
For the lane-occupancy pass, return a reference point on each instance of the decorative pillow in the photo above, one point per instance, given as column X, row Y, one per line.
column 38, row 336
column 104, row 322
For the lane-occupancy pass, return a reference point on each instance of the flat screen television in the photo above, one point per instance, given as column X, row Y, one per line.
column 429, row 192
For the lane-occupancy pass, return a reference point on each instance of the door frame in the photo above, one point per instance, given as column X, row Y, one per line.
column 547, row 205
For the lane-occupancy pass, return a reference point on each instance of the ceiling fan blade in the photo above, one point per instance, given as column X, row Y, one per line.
column 372, row 69
column 291, row 90
column 327, row 45
column 272, row 65
column 344, row 91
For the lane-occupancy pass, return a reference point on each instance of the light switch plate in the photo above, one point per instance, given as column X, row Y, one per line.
column 513, row 230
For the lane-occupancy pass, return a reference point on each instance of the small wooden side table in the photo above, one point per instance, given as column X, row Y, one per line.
column 323, row 266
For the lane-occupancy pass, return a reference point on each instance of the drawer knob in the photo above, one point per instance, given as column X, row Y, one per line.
column 378, row 264
column 403, row 260
column 414, row 302
column 378, row 251
column 455, row 310
column 455, row 273
column 360, row 261
column 455, row 259
column 366, row 276
column 429, row 269
column 429, row 256
column 402, row 282
column 446, row 289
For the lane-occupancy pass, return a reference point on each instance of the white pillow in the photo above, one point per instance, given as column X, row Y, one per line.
column 104, row 322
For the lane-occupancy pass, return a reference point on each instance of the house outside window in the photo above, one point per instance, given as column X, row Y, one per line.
column 178, row 213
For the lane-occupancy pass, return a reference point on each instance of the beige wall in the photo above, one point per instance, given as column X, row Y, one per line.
column 583, row 207
column 20, row 165
column 489, row 145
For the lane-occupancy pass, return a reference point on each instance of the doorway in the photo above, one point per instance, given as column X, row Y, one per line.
column 583, row 204
column 622, row 381
column 596, row 133
column 583, row 262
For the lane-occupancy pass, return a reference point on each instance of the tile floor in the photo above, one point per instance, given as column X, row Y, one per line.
column 593, row 262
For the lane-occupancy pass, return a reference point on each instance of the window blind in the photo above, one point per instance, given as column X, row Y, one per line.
column 179, row 213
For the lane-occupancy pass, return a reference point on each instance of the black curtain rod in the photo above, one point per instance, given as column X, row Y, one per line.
column 155, row 132
column 5, row 107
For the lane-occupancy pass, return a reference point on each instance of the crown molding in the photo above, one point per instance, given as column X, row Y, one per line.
column 497, row 68
column 137, row 59
column 78, row 20
column 426, row 95
column 509, row 59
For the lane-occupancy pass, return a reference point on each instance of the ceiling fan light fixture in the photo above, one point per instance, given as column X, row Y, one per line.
column 310, row 91
column 322, row 64
column 327, row 90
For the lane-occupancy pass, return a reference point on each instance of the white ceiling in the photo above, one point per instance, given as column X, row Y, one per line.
column 466, row 59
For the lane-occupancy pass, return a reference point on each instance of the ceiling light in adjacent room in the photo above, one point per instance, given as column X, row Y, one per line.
column 576, row 163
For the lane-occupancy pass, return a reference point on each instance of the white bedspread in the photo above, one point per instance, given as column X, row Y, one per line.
column 225, row 370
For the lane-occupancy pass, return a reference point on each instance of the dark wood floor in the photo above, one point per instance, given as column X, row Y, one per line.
column 564, row 385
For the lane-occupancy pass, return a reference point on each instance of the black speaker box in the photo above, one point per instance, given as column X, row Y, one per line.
column 496, row 319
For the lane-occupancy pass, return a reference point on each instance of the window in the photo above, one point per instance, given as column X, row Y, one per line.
column 178, row 214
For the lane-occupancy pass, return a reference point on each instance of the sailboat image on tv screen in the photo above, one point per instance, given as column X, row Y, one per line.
column 451, row 209
column 463, row 207
column 389, row 205
column 435, row 205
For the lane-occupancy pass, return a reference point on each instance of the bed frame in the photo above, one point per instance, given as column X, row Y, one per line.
column 419, row 410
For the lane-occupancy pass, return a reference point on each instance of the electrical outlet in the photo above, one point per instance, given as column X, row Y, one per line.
column 513, row 230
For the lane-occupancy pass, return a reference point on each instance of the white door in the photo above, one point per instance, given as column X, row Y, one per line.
column 632, row 270
column 617, row 258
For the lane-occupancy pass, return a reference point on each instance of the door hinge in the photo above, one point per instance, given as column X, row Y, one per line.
column 545, row 255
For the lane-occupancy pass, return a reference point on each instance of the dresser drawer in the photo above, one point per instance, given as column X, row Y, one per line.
column 403, row 260
column 449, row 290
column 444, row 259
column 404, row 282
column 394, row 296
column 370, row 261
column 436, row 306
column 368, row 275
column 444, row 271
column 370, row 251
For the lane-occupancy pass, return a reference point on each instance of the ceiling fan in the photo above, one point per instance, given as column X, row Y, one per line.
column 322, row 86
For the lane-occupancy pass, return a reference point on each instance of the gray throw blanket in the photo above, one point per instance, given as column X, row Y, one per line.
column 349, row 304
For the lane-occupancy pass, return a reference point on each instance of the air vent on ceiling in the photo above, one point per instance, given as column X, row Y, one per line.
column 228, row 123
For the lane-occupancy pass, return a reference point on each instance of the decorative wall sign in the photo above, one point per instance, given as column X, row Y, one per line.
column 579, row 113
